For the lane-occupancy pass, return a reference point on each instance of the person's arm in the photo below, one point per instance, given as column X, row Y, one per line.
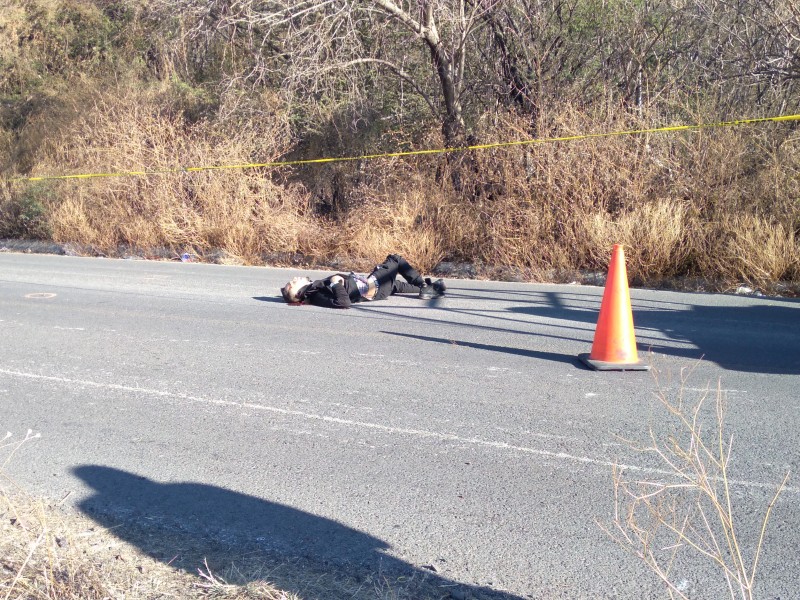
column 332, row 295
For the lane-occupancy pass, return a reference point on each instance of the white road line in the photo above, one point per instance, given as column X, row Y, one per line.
column 421, row 433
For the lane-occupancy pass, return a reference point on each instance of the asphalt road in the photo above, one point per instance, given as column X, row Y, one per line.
column 458, row 441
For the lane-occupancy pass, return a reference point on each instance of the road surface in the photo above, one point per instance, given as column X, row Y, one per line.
column 459, row 441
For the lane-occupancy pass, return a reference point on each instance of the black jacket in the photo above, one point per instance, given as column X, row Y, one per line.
column 321, row 293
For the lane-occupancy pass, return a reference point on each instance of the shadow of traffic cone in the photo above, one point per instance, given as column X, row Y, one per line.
column 614, row 347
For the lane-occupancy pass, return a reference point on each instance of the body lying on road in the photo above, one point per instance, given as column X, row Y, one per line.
column 341, row 290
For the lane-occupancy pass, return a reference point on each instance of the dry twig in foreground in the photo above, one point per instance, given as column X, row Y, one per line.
column 694, row 510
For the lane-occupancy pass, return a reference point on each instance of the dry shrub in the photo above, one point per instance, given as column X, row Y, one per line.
column 713, row 166
column 25, row 213
column 521, row 232
column 777, row 182
column 241, row 211
column 657, row 237
column 394, row 222
column 563, row 205
column 694, row 515
column 674, row 200
column 14, row 55
column 538, row 206
column 753, row 249
column 50, row 553
column 32, row 122
column 748, row 167
column 6, row 143
column 610, row 173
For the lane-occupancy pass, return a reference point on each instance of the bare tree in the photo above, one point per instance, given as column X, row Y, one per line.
column 451, row 59
column 323, row 49
column 751, row 49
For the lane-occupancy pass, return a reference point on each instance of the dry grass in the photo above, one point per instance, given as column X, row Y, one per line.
column 752, row 249
column 80, row 94
column 657, row 237
column 53, row 554
column 125, row 129
column 386, row 223
column 48, row 551
column 717, row 204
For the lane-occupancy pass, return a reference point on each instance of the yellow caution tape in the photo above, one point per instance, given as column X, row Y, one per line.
column 313, row 161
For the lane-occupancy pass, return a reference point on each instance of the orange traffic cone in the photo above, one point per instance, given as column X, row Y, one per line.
column 614, row 347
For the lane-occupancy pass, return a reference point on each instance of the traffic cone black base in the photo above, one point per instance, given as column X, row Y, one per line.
column 599, row 365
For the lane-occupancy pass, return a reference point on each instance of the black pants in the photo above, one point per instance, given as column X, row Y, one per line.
column 386, row 273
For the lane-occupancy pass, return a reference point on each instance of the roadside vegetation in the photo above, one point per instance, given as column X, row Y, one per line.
column 50, row 551
column 94, row 86
column 53, row 554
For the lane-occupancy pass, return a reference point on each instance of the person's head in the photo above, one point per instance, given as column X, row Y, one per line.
column 292, row 292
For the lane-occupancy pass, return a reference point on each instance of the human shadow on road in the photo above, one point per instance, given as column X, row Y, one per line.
column 757, row 338
column 185, row 524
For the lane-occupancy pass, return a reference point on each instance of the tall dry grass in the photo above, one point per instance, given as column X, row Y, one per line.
column 242, row 211
column 751, row 248
column 695, row 205
column 383, row 224
column 103, row 87
column 720, row 204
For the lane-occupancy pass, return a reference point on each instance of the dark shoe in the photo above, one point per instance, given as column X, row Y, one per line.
column 432, row 290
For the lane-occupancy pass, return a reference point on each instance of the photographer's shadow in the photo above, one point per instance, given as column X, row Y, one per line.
column 185, row 524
